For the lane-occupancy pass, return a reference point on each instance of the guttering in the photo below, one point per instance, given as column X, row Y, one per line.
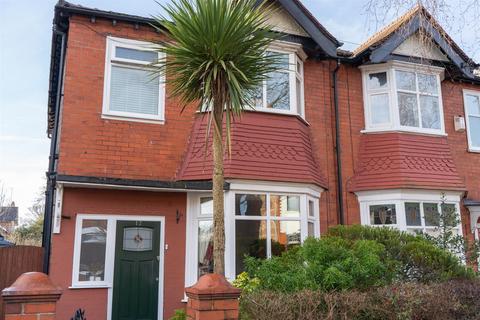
column 51, row 173
column 338, row 151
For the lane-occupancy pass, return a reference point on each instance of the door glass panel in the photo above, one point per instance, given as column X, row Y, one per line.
column 137, row 239
column 285, row 235
column 250, row 239
column 205, row 247
column 383, row 214
column 250, row 205
column 412, row 214
column 285, row 206
column 92, row 250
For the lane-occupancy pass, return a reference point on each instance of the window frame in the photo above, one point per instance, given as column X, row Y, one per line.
column 394, row 124
column 295, row 55
column 306, row 192
column 399, row 198
column 111, row 60
column 466, row 92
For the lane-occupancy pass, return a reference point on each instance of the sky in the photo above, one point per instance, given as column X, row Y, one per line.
column 25, row 41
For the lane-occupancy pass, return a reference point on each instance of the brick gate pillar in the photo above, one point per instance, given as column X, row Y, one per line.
column 31, row 296
column 212, row 298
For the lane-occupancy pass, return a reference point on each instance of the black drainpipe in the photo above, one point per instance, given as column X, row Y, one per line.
column 51, row 174
column 338, row 150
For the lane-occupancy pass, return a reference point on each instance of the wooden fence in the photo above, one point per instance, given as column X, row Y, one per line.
column 16, row 260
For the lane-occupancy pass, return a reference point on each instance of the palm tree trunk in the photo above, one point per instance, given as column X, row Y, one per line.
column 217, row 190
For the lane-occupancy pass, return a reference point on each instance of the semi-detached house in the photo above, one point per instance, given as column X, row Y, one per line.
column 376, row 136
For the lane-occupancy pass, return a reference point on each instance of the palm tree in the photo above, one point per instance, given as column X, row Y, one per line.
column 216, row 57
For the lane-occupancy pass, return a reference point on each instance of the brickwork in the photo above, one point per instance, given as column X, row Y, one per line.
column 31, row 297
column 212, row 298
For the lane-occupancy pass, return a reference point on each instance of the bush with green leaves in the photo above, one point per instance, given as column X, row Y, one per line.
column 355, row 257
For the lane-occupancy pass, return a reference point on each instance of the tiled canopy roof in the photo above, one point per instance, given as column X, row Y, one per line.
column 404, row 161
column 264, row 147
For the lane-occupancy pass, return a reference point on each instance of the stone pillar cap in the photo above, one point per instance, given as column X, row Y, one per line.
column 212, row 287
column 32, row 284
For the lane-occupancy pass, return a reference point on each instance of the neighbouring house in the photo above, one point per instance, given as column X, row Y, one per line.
column 9, row 217
column 3, row 241
column 375, row 136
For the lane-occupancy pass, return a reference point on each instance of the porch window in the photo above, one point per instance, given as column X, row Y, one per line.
column 283, row 90
column 131, row 88
column 472, row 115
column 403, row 97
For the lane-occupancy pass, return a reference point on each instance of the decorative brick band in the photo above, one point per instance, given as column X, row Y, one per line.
column 31, row 296
column 212, row 298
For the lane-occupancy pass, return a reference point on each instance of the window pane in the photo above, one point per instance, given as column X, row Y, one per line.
column 205, row 247
column 281, row 59
column 132, row 54
column 407, row 104
column 133, row 90
column 427, row 83
column 383, row 214
column 311, row 229
column 250, row 205
column 412, row 214
column 299, row 93
column 137, row 239
column 377, row 80
column 278, row 91
column 432, row 216
column 311, row 208
column 250, row 239
column 284, row 206
column 206, row 206
column 380, row 109
column 473, row 104
column 474, row 123
column 405, row 80
column 285, row 235
column 92, row 250
column 257, row 98
column 430, row 110
column 450, row 216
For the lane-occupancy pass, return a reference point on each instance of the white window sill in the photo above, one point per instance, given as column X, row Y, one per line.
column 420, row 132
column 132, row 119
column 90, row 286
column 473, row 150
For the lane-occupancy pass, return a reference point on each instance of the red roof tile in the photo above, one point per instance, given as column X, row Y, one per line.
column 265, row 146
column 400, row 160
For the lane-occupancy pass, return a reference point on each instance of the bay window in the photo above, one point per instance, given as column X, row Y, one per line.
column 412, row 211
column 403, row 97
column 132, row 90
column 472, row 115
column 283, row 90
column 260, row 221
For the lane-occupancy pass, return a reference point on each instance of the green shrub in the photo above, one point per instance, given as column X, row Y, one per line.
column 180, row 314
column 455, row 299
column 355, row 257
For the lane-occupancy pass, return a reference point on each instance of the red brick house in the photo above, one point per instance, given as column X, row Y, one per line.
column 375, row 136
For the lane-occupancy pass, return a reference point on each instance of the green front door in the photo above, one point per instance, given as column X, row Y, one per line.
column 135, row 280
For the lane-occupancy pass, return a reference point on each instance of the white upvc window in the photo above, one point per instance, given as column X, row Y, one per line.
column 414, row 211
column 132, row 90
column 258, row 223
column 283, row 90
column 401, row 96
column 472, row 114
